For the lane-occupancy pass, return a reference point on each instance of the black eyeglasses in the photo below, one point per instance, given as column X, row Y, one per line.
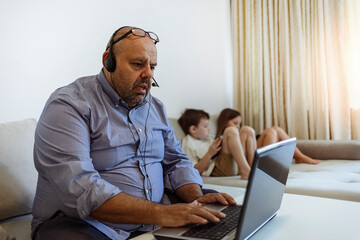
column 136, row 32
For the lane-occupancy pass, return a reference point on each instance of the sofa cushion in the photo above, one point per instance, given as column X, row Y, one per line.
column 18, row 176
column 339, row 179
column 3, row 235
column 18, row 228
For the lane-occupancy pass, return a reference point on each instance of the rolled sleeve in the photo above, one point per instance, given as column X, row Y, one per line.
column 180, row 177
column 94, row 197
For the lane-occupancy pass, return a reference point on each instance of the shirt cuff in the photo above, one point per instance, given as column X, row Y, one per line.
column 95, row 196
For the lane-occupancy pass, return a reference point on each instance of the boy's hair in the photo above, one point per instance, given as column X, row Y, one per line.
column 191, row 117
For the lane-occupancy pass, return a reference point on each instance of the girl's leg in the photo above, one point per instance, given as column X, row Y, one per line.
column 248, row 142
column 277, row 134
column 231, row 144
column 268, row 136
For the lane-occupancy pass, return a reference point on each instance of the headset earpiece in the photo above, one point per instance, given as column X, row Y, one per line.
column 110, row 62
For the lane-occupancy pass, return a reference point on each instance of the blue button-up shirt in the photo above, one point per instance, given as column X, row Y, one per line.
column 90, row 146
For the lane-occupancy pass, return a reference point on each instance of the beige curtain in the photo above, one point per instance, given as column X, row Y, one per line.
column 297, row 66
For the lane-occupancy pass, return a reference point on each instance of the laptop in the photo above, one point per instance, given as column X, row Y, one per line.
column 263, row 196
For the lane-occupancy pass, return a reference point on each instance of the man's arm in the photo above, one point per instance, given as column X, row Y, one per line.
column 191, row 192
column 62, row 158
column 124, row 208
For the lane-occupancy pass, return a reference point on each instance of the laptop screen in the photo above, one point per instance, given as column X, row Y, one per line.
column 266, row 186
column 263, row 195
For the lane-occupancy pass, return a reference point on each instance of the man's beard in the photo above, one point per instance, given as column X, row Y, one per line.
column 133, row 98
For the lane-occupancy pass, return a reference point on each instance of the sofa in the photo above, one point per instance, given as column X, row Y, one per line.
column 337, row 176
column 18, row 178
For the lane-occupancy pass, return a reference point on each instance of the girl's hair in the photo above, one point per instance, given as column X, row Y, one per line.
column 191, row 117
column 225, row 115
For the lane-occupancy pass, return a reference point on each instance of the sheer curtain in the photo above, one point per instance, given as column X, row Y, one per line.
column 297, row 66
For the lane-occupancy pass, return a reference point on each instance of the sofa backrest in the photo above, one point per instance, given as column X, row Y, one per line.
column 18, row 176
column 330, row 149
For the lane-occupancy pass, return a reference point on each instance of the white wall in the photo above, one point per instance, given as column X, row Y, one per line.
column 47, row 44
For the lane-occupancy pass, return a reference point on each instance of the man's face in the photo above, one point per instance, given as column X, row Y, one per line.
column 135, row 64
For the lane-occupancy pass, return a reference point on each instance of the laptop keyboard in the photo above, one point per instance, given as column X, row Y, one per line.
column 217, row 230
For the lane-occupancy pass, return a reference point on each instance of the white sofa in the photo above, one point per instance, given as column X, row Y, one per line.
column 18, row 177
column 336, row 176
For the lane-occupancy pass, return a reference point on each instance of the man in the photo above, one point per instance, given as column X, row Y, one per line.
column 105, row 152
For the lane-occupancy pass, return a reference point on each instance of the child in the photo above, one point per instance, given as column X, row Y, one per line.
column 238, row 146
column 197, row 144
column 229, row 126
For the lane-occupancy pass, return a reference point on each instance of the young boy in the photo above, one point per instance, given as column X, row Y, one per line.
column 197, row 144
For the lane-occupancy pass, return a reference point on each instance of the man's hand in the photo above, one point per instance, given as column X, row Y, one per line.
column 222, row 198
column 180, row 214
column 191, row 192
column 194, row 212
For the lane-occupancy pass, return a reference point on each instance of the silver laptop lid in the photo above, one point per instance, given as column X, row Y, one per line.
column 263, row 195
column 266, row 186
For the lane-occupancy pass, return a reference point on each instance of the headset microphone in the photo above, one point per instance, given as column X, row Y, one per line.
column 154, row 84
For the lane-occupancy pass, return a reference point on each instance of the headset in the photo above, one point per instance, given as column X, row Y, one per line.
column 143, row 152
column 110, row 61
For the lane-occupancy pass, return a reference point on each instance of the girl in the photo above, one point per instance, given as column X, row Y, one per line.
column 239, row 143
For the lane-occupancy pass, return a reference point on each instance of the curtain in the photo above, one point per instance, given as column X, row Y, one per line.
column 296, row 65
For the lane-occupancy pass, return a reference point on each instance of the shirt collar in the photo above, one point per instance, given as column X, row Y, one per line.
column 114, row 96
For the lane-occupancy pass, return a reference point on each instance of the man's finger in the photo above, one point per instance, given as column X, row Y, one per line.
column 216, row 213
column 229, row 199
column 210, row 214
column 213, row 198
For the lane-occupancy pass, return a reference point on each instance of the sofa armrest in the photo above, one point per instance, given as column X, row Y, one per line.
column 330, row 149
column 3, row 234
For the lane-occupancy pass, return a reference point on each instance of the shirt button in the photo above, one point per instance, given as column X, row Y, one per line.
column 139, row 130
column 116, row 106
